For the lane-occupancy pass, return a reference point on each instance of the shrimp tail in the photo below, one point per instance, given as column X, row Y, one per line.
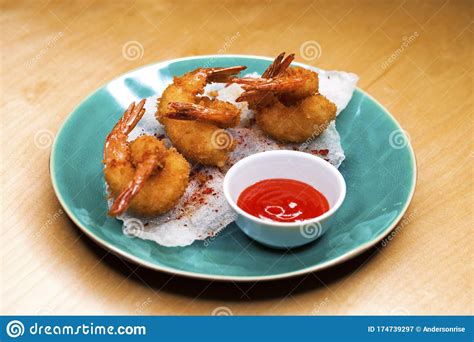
column 277, row 85
column 268, row 86
column 143, row 171
column 130, row 118
column 116, row 143
column 274, row 70
column 278, row 66
column 268, row 73
column 190, row 111
column 249, row 80
column 250, row 95
column 223, row 75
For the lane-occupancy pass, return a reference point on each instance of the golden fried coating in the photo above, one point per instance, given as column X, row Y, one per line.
column 309, row 86
column 143, row 176
column 194, row 124
column 299, row 122
column 287, row 103
column 163, row 188
column 197, row 141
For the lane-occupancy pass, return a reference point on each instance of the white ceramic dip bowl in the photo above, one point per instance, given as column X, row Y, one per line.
column 295, row 165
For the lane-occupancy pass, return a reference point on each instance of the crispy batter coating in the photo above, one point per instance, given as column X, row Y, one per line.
column 143, row 176
column 287, row 103
column 193, row 123
column 309, row 86
column 163, row 188
column 299, row 122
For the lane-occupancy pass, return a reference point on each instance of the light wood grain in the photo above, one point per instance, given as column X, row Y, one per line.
column 55, row 53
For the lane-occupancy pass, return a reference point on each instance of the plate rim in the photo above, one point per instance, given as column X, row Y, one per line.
column 170, row 270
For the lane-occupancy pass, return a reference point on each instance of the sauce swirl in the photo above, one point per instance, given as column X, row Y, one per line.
column 283, row 200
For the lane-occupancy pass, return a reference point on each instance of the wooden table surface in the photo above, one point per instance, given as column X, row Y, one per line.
column 413, row 56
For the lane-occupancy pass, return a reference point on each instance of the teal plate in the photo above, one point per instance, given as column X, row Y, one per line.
column 380, row 172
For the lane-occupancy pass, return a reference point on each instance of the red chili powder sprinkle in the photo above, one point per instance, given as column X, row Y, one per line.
column 323, row 152
column 207, row 191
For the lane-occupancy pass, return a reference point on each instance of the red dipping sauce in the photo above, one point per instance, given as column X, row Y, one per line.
column 283, row 200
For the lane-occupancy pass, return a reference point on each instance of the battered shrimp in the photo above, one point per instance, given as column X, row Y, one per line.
column 298, row 122
column 287, row 103
column 195, row 124
column 144, row 176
